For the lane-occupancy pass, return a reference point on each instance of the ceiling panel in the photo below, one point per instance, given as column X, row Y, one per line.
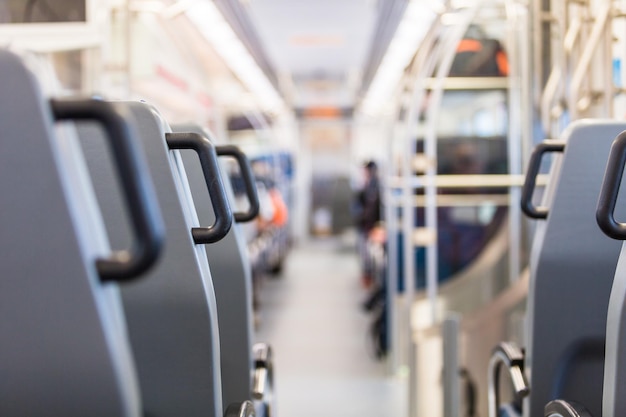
column 314, row 41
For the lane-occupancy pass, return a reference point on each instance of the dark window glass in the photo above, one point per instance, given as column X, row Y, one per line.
column 42, row 11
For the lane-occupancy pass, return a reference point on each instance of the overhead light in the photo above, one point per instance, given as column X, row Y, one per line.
column 417, row 18
column 317, row 40
column 145, row 6
column 212, row 25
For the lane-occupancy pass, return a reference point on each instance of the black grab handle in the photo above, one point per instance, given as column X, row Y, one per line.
column 210, row 167
column 605, row 212
column 243, row 409
column 512, row 358
column 563, row 408
column 248, row 180
column 136, row 185
column 531, row 178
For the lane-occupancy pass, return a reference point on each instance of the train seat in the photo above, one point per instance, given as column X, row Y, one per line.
column 232, row 280
column 572, row 266
column 64, row 349
column 614, row 386
column 172, row 319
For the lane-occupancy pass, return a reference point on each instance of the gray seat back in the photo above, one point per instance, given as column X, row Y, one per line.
column 571, row 279
column 172, row 315
column 614, row 388
column 63, row 344
column 232, row 280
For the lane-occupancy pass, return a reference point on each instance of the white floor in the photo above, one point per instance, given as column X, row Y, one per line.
column 311, row 316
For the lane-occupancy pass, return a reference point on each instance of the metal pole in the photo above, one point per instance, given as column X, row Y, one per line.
column 430, row 146
column 448, row 46
column 413, row 383
column 392, row 256
column 514, row 134
column 451, row 367
column 426, row 61
column 427, row 57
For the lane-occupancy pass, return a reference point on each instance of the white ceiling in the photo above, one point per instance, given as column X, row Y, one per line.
column 319, row 45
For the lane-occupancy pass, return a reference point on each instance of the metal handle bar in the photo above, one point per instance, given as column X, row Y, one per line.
column 464, row 181
column 140, row 197
column 562, row 408
column 248, row 180
column 581, row 72
column 605, row 212
column 212, row 176
column 555, row 78
column 244, row 409
column 512, row 357
column 528, row 189
column 263, row 373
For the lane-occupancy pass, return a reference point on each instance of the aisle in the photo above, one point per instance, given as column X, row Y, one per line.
column 312, row 318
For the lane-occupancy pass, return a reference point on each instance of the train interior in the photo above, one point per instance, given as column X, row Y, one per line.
column 240, row 208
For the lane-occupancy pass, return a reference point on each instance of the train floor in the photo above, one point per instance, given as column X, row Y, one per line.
column 324, row 362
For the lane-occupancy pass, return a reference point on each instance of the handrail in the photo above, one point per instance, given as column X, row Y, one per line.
column 422, row 67
column 581, row 71
column 212, row 176
column 433, row 112
column 512, row 357
column 469, row 83
column 137, row 187
column 562, row 408
column 243, row 409
column 458, row 181
column 549, row 93
column 571, row 35
column 534, row 165
column 248, row 181
column 609, row 192
column 263, row 378
column 556, row 76
column 459, row 200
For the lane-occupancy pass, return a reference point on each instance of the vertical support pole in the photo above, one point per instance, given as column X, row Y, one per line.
column 408, row 224
column 515, row 133
column 448, row 48
column 391, row 221
column 451, row 366
column 128, row 51
column 430, row 146
column 425, row 63
column 413, row 378
column 607, row 51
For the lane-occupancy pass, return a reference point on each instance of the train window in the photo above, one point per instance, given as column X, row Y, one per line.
column 43, row 11
column 471, row 131
column 473, row 113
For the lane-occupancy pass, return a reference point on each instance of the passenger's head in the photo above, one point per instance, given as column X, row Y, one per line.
column 371, row 169
column 466, row 159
